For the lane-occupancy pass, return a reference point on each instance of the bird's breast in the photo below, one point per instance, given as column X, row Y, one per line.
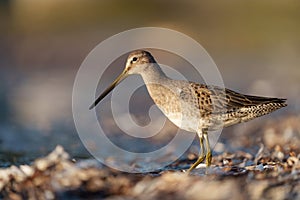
column 183, row 114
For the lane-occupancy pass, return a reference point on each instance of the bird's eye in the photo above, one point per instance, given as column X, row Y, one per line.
column 134, row 59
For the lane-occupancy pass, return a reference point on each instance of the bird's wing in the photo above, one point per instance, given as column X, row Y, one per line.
column 217, row 100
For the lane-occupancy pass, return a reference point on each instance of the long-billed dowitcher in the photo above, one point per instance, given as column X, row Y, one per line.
column 191, row 106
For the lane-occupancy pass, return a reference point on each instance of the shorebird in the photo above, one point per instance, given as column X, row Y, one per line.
column 194, row 107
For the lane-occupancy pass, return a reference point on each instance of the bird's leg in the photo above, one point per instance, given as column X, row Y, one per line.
column 208, row 151
column 201, row 155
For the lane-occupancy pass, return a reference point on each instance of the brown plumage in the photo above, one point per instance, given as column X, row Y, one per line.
column 232, row 107
column 191, row 106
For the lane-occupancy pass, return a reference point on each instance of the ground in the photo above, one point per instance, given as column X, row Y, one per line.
column 273, row 172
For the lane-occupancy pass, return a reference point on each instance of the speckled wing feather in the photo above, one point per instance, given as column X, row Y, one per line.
column 232, row 107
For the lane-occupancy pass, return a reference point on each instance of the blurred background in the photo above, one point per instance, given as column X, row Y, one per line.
column 256, row 46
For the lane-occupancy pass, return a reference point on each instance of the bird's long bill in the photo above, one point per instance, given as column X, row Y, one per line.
column 109, row 89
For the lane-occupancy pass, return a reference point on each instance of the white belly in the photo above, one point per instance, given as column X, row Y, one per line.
column 188, row 123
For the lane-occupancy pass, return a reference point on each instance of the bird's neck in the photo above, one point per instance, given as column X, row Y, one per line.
column 153, row 74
